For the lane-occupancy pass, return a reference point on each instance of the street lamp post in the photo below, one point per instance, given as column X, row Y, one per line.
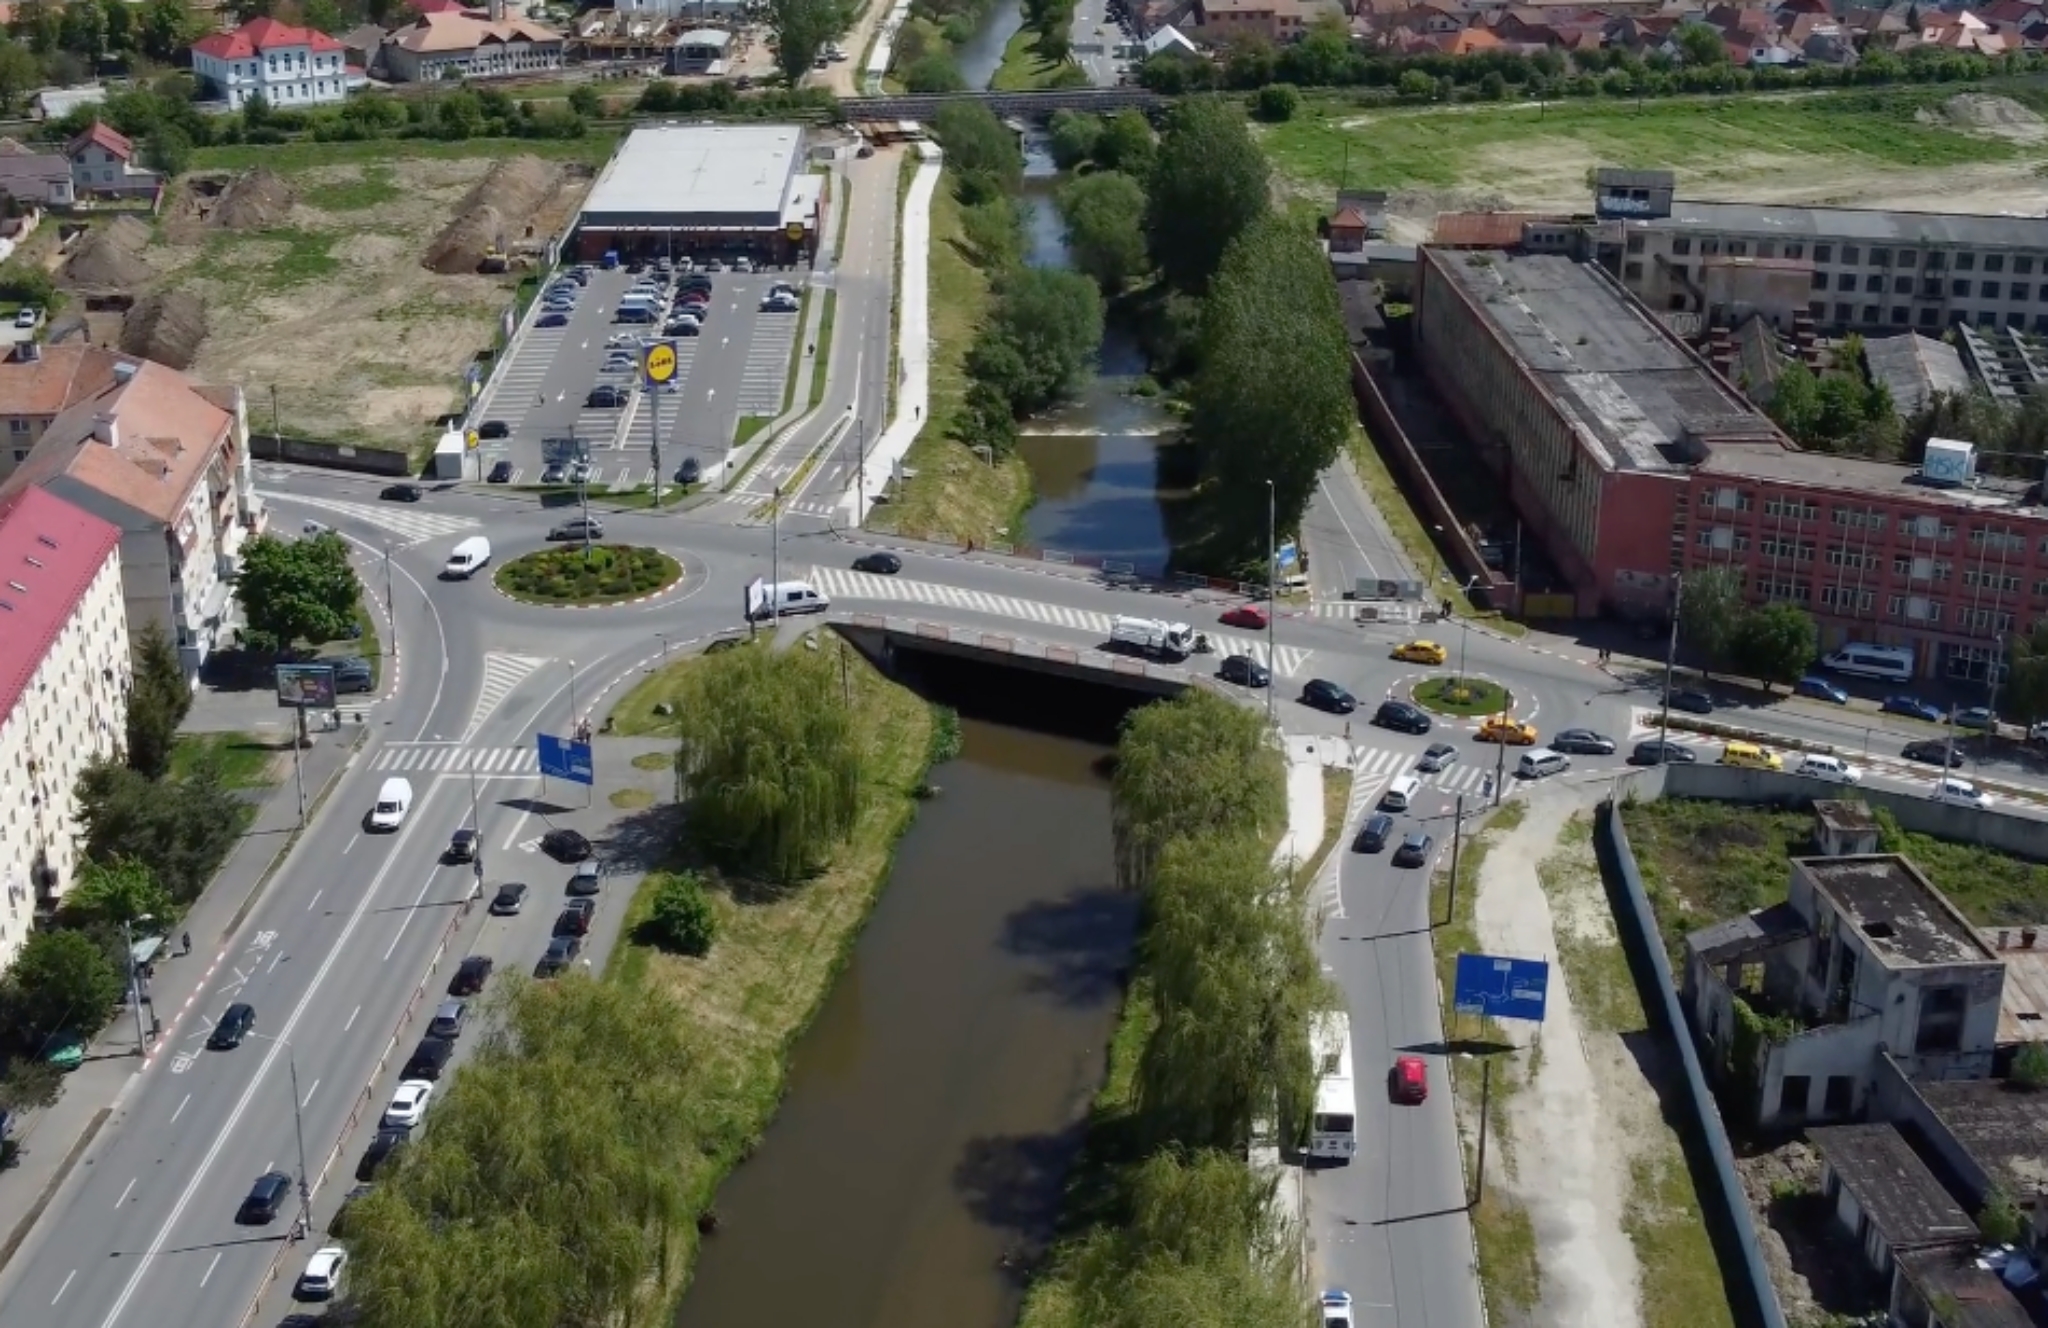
column 775, row 559
column 1464, row 633
column 476, row 827
column 298, row 1130
column 1272, row 602
column 1670, row 665
column 390, row 612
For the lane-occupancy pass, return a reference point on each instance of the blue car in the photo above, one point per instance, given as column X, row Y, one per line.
column 1912, row 706
column 552, row 320
column 1820, row 689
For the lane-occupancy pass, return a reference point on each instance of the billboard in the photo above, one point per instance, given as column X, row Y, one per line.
column 305, row 686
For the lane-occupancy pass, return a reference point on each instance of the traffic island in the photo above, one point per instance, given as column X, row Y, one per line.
column 575, row 577
column 1466, row 697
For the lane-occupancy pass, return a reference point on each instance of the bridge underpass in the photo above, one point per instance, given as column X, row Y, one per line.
column 881, row 638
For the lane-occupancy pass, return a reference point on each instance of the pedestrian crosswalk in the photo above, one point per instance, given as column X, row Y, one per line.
column 1373, row 767
column 639, row 430
column 403, row 520
column 1643, row 723
column 455, row 758
column 766, row 376
column 502, row 672
column 839, row 584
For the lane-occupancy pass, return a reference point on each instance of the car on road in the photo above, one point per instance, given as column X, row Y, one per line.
column 1815, row 765
column 1437, row 756
column 1506, row 729
column 779, row 304
column 379, row 1152
column 555, row 473
column 351, row 674
column 408, row 1105
column 1657, row 751
column 683, row 325
column 1913, row 707
column 633, row 313
column 448, row 1019
column 565, row 845
column 578, row 528
column 1336, row 1307
column 402, row 493
column 1961, row 792
column 881, row 564
column 743, row 264
column 1244, row 671
column 618, row 339
column 561, row 952
column 235, row 1023
column 689, row 472
column 1402, row 717
column 1582, row 742
column 588, row 878
column 501, row 472
column 322, row 1277
column 1415, row 849
column 1323, row 694
column 471, row 975
column 865, row 150
column 266, row 1198
column 1421, row 652
column 1374, row 834
column 461, row 846
column 1245, row 615
column 575, row 919
column 1408, row 1081
column 552, row 318
column 1691, row 701
column 428, row 1059
column 1820, row 689
column 511, row 897
column 1933, row 751
column 1979, row 718
column 26, row 317
column 493, row 429
column 713, row 265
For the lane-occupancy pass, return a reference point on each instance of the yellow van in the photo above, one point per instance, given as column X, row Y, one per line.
column 1751, row 757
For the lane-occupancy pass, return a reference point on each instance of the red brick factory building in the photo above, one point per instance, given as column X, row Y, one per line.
column 1632, row 461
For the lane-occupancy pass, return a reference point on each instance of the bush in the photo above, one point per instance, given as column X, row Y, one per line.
column 611, row 572
column 683, row 920
column 1276, row 102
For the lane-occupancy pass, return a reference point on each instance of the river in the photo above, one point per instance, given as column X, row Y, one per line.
column 936, row 1102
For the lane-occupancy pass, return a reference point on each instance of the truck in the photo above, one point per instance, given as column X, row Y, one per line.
column 1152, row 636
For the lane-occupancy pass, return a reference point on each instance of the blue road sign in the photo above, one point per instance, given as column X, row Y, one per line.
column 1502, row 988
column 1287, row 555
column 563, row 759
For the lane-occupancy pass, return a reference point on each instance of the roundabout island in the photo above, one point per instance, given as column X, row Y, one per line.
column 573, row 576
column 1466, row 697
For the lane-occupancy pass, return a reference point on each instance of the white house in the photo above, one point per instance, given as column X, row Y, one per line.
column 292, row 68
column 103, row 162
column 64, row 672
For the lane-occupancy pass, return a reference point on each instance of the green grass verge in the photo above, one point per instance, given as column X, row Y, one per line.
column 593, row 149
column 1336, row 801
column 632, row 716
column 1024, row 70
column 825, row 341
column 1462, row 696
column 244, row 760
column 570, row 574
column 366, row 642
column 748, row 426
column 1408, row 530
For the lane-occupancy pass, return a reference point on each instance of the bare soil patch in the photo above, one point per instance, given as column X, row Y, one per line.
column 167, row 327
column 109, row 259
column 1816, row 1271
column 500, row 212
column 1995, row 115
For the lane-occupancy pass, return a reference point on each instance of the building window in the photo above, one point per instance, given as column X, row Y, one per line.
column 1737, row 249
column 1791, row 509
column 1966, row 262
column 1959, row 288
column 1881, row 257
column 2018, row 291
column 1821, row 253
column 1854, row 559
column 1988, row 290
column 1842, row 313
column 1632, row 271
column 1994, row 262
column 1927, row 317
column 1820, row 281
column 1681, row 244
column 1902, row 285
column 1873, row 283
column 1850, row 256
column 1907, row 258
column 1846, row 598
column 1846, row 281
column 2023, row 266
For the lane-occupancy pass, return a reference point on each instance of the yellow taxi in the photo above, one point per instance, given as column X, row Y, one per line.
column 1421, row 652
column 1509, row 730
column 1749, row 756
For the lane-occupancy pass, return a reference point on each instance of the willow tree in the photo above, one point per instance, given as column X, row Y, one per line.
column 1186, row 766
column 770, row 760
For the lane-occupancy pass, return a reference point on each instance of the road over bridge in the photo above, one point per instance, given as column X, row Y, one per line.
column 1023, row 105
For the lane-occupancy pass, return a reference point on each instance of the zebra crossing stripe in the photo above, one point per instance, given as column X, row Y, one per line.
column 413, row 527
column 502, row 672
column 451, row 758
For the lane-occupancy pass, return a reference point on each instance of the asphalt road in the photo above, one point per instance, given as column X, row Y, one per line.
column 1095, row 38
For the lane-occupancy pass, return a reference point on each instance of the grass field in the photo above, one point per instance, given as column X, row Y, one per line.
column 245, row 760
column 1023, row 69
column 633, row 716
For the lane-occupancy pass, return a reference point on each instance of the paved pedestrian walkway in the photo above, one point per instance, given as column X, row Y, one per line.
column 54, row 1138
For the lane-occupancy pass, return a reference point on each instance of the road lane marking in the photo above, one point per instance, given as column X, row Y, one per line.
column 410, row 914
column 309, row 1095
column 125, row 1193
column 181, row 1108
column 208, row 1275
column 315, row 900
column 275, row 962
column 351, row 1019
column 67, row 1284
column 278, row 1043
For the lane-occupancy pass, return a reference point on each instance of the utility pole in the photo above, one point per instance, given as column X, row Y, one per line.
column 654, row 440
column 298, row 772
column 583, row 498
column 1485, row 1099
column 134, row 987
column 1272, row 605
column 775, row 558
column 299, row 1129
column 572, row 698
column 276, row 422
column 1670, row 663
column 476, row 825
column 860, row 473
column 1457, row 834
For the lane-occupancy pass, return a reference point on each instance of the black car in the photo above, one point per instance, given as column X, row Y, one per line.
column 266, row 1197
column 511, row 897
column 1402, row 717
column 605, row 397
column 428, row 1059
column 1692, row 702
column 234, row 1025
column 683, row 327
column 575, row 920
column 578, row 527
column 561, row 952
column 881, row 564
column 1244, row 671
column 565, row 846
column 1656, row 751
column 1326, row 695
column 470, row 976
column 1582, row 741
column 494, row 429
column 1374, row 834
column 689, row 472
column 1934, row 751
column 402, row 493
column 501, row 473
column 461, row 846
column 379, row 1152
column 1414, row 850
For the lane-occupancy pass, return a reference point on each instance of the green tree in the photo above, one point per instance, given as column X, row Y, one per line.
column 122, row 33
column 1774, row 642
column 119, row 892
column 183, row 828
column 1272, row 403
column 1105, row 219
column 1072, row 137
column 934, row 72
column 802, row 29
column 165, row 29
column 168, row 150
column 2025, row 695
column 583, row 100
column 29, row 1084
column 19, row 73
column 1209, row 183
column 683, row 919
column 2000, row 1220
column 1184, row 766
column 769, row 762
column 1040, row 337
column 2030, row 1066
column 1710, row 610
column 61, row 981
column 1277, row 102
column 1701, row 45
column 298, row 589
column 1126, row 144
column 84, row 31
column 158, row 701
column 982, row 152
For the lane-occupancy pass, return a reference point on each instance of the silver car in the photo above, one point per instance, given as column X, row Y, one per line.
column 1437, row 757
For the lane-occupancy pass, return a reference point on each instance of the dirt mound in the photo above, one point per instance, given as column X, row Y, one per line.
column 494, row 213
column 1997, row 115
column 257, row 201
column 166, row 328
column 109, row 258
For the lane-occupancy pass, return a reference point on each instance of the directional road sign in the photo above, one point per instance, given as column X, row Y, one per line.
column 1502, row 988
column 562, row 759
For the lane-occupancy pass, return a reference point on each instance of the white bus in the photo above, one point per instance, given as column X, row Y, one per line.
column 1333, row 1130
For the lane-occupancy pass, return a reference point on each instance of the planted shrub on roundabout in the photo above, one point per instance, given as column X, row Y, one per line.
column 610, row 573
column 1467, row 696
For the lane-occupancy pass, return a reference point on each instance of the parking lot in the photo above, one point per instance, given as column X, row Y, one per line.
column 738, row 365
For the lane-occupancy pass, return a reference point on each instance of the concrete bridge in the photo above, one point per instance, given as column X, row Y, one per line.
column 880, row 637
column 922, row 107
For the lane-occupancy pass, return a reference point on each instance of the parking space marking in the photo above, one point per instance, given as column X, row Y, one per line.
column 766, row 376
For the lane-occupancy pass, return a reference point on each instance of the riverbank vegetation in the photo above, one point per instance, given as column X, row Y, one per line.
column 1041, row 55
column 1164, row 1223
column 923, row 57
column 487, row 1216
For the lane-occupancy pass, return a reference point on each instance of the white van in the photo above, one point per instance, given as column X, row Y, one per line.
column 468, row 556
column 1961, row 792
column 1400, row 793
column 394, row 800
column 1890, row 663
column 1542, row 763
column 782, row 599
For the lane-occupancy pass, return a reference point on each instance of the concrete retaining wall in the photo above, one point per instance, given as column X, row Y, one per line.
column 333, row 456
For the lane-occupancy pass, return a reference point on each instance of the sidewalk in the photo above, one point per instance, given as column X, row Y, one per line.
column 54, row 1138
column 913, row 339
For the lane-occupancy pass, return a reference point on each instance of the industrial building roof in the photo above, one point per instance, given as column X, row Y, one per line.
column 1835, row 473
column 697, row 175
column 1898, row 911
column 2000, row 1124
column 1893, row 1186
column 1857, row 224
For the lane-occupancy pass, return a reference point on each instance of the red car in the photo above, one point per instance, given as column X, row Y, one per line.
column 1246, row 615
column 1408, row 1081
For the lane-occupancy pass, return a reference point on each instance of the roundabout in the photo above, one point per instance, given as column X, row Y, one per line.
column 575, row 577
column 1466, row 698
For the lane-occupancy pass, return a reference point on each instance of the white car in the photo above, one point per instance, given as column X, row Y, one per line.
column 408, row 1105
column 619, row 339
column 322, row 1278
column 1961, row 792
column 27, row 317
column 1832, row 768
column 1336, row 1309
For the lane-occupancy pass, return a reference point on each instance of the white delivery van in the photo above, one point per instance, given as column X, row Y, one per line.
column 1857, row 660
column 1400, row 793
column 1542, row 763
column 782, row 599
column 394, row 800
column 468, row 556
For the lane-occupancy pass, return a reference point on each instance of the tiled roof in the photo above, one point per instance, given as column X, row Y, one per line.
column 442, row 32
column 50, row 552
column 63, row 374
column 103, row 137
column 263, row 34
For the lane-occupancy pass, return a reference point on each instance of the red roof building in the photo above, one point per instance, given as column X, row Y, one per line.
column 262, row 35
column 288, row 67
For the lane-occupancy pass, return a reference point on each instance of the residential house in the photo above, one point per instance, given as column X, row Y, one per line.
column 363, row 48
column 1914, row 367
column 1348, row 229
column 39, row 383
column 1274, row 20
column 64, row 673
column 56, row 103
column 290, row 68
column 103, row 163
column 460, row 45
column 36, row 179
column 167, row 461
column 1170, row 39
